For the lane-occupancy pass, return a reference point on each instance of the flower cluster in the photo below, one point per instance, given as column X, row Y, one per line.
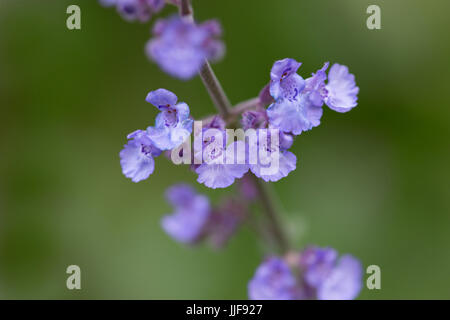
column 194, row 219
column 316, row 273
column 136, row 10
column 298, row 102
column 172, row 127
column 297, row 107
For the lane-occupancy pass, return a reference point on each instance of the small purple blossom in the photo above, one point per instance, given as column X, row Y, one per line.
column 136, row 158
column 317, row 274
column 273, row 161
column 172, row 124
column 298, row 103
column 191, row 214
column 222, row 166
column 284, row 81
column 273, row 280
column 342, row 89
column 180, row 47
column 331, row 278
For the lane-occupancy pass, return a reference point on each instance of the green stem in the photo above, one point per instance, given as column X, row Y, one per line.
column 275, row 225
column 215, row 90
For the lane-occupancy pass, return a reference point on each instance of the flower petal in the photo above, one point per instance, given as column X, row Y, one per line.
column 161, row 98
column 293, row 116
column 342, row 89
column 286, row 163
column 136, row 165
column 344, row 282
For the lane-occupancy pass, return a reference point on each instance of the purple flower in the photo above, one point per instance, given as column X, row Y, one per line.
column 273, row 161
column 222, row 164
column 342, row 89
column 298, row 103
column 191, row 214
column 315, row 87
column 284, row 81
column 317, row 274
column 172, row 125
column 318, row 264
column 135, row 10
column 180, row 47
column 136, row 158
column 291, row 111
column 344, row 282
column 273, row 280
column 331, row 278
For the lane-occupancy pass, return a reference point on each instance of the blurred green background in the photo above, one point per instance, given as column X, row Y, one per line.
column 373, row 182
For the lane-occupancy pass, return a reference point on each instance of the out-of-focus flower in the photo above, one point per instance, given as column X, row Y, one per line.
column 194, row 219
column 332, row 278
column 317, row 274
column 180, row 47
column 298, row 102
column 136, row 158
column 191, row 214
column 172, row 124
column 273, row 280
column 135, row 10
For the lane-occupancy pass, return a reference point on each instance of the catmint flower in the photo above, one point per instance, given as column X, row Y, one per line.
column 273, row 280
column 284, row 81
column 191, row 214
column 291, row 111
column 180, row 47
column 136, row 158
column 172, row 124
column 135, row 10
column 317, row 274
column 332, row 278
column 298, row 102
column 342, row 90
column 315, row 90
column 218, row 165
column 273, row 160
column 222, row 164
